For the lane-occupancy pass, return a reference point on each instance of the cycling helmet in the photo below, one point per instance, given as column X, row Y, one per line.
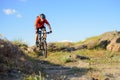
column 42, row 16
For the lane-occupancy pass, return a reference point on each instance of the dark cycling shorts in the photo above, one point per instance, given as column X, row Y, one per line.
column 42, row 28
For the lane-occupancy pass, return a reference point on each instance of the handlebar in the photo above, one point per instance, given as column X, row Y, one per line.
column 49, row 32
column 45, row 32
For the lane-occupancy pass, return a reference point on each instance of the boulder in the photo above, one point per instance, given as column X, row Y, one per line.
column 80, row 46
column 103, row 43
column 114, row 45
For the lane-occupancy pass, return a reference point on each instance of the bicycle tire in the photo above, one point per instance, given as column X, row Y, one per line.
column 44, row 48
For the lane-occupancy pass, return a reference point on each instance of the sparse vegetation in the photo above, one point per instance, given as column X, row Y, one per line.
column 34, row 77
column 19, row 42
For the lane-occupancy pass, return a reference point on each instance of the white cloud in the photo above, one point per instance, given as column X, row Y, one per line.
column 9, row 11
column 19, row 15
column 65, row 41
column 12, row 12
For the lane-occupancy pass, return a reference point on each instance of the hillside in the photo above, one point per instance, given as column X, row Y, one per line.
column 14, row 62
column 109, row 41
column 96, row 58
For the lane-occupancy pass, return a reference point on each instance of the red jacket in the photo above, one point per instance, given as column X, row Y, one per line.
column 40, row 23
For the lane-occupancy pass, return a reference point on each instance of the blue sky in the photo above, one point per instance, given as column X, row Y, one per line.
column 72, row 20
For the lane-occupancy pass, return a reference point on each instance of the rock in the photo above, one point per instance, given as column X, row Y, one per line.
column 31, row 49
column 81, row 46
column 91, row 44
column 114, row 45
column 103, row 43
column 74, row 56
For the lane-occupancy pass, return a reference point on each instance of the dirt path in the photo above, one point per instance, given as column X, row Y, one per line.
column 58, row 72
column 80, row 70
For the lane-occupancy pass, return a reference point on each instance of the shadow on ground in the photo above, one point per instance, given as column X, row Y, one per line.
column 59, row 72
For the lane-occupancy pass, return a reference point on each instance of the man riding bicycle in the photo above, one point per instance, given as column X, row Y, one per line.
column 39, row 24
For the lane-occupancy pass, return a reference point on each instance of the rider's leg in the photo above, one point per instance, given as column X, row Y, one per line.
column 36, row 38
column 44, row 31
column 45, row 35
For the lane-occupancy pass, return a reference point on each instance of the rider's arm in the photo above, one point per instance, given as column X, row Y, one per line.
column 49, row 26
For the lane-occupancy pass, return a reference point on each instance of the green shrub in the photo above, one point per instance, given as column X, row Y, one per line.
column 34, row 77
column 67, row 59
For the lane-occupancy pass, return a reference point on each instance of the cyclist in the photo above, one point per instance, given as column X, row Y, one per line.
column 39, row 24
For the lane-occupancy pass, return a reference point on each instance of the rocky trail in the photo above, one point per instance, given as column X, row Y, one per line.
column 58, row 72
column 80, row 70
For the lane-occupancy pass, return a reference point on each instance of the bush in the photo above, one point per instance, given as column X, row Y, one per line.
column 34, row 77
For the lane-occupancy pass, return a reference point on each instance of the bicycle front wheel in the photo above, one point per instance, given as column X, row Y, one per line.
column 44, row 50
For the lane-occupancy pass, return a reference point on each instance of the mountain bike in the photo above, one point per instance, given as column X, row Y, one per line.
column 42, row 44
